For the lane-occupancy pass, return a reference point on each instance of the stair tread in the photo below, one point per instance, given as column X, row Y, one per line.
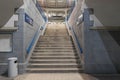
column 58, row 44
column 33, row 61
column 54, row 50
column 54, row 36
column 54, row 68
column 54, row 64
column 54, row 53
column 55, row 41
column 54, row 46
column 62, row 42
column 57, row 47
column 54, row 56
column 52, row 60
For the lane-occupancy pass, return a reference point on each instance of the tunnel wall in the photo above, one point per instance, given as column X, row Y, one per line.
column 100, row 48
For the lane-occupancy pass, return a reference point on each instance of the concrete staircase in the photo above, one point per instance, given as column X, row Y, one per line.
column 55, row 53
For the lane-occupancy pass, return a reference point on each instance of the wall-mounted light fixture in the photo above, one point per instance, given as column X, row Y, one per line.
column 80, row 19
column 91, row 14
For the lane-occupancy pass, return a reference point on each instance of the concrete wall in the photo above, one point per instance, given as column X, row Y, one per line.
column 7, row 17
column 38, row 21
column 107, row 15
column 78, row 29
column 101, row 48
column 7, row 9
column 21, row 38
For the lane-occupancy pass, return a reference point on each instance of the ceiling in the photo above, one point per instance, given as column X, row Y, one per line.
column 56, row 7
column 56, row 3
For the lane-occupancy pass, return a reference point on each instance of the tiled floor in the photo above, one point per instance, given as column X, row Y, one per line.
column 66, row 76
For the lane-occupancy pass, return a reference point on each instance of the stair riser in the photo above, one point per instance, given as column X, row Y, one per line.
column 54, row 54
column 53, row 58
column 53, row 50
column 50, row 42
column 52, row 61
column 54, row 46
column 55, row 39
column 46, row 41
column 54, row 66
column 56, row 71
column 64, row 51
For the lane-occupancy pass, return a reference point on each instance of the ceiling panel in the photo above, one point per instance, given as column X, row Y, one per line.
column 56, row 3
column 56, row 9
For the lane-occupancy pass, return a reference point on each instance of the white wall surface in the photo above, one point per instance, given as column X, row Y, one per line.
column 5, row 43
column 38, row 21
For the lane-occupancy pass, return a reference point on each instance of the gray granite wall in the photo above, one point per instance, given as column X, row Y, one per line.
column 100, row 48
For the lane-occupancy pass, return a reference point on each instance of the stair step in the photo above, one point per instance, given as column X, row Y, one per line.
column 54, row 54
column 61, row 44
column 54, row 65
column 52, row 61
column 54, row 36
column 53, row 70
column 53, row 57
column 52, row 41
column 38, row 50
column 55, row 49
column 56, row 42
column 54, row 46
